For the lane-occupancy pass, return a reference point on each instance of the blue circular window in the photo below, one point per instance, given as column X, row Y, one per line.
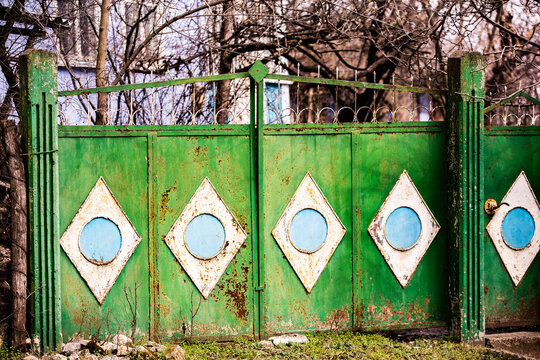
column 518, row 228
column 308, row 230
column 402, row 228
column 100, row 241
column 204, row 236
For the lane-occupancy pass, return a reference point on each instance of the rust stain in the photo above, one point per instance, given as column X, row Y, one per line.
column 389, row 315
column 235, row 290
column 164, row 203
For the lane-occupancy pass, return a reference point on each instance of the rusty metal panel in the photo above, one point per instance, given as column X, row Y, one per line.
column 309, row 261
column 214, row 298
column 381, row 300
column 288, row 305
column 205, row 268
column 508, row 152
column 100, row 274
column 403, row 254
column 122, row 162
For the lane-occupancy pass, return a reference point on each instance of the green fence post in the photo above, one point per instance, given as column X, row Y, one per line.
column 38, row 102
column 465, row 184
column 257, row 73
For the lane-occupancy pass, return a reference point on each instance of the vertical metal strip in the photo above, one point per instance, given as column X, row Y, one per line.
column 38, row 108
column 260, row 200
column 48, row 214
column 465, row 151
column 35, row 271
column 55, row 202
column 254, row 215
column 357, row 296
column 480, row 214
column 153, row 237
column 42, row 238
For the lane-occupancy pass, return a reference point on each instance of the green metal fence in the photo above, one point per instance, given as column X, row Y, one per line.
column 400, row 205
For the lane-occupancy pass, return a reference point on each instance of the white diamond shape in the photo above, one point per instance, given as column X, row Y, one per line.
column 309, row 266
column 516, row 261
column 403, row 263
column 205, row 273
column 100, row 203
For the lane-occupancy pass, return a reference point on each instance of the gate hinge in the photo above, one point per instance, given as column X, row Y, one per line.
column 259, row 288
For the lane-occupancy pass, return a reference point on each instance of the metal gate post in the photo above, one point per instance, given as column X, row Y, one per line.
column 466, row 186
column 38, row 102
column 257, row 73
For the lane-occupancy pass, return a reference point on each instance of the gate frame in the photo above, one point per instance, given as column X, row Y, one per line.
column 38, row 91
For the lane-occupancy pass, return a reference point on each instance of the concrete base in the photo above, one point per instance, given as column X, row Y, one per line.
column 523, row 344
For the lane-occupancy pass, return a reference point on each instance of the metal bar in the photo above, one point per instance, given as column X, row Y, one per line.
column 108, row 89
column 260, row 198
column 335, row 82
column 142, row 130
column 511, row 97
column 254, row 213
column 41, row 228
column 356, row 256
column 153, row 237
column 56, row 223
column 512, row 130
column 47, row 214
column 363, row 128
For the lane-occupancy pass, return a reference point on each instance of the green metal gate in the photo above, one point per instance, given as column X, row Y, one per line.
column 324, row 226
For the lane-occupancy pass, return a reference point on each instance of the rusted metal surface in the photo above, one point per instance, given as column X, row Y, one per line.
column 308, row 265
column 404, row 262
column 100, row 203
column 206, row 272
column 516, row 260
column 249, row 287
column 490, row 206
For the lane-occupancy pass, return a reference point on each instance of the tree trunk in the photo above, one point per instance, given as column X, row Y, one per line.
column 225, row 62
column 101, row 62
column 16, row 170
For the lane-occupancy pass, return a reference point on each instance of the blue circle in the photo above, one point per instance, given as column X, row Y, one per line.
column 204, row 236
column 402, row 228
column 518, row 228
column 308, row 230
column 100, row 240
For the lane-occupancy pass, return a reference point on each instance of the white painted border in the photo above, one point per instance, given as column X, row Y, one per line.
column 309, row 266
column 403, row 263
column 100, row 202
column 516, row 261
column 205, row 273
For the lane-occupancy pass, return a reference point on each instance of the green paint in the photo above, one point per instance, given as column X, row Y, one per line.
column 38, row 108
column 383, row 303
column 506, row 155
column 254, row 190
column 359, row 84
column 181, row 165
column 127, row 87
column 465, row 182
column 123, row 164
column 512, row 97
column 258, row 71
column 154, row 170
column 287, row 305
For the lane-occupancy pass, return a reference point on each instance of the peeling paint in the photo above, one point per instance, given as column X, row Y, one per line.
column 205, row 273
column 403, row 263
column 309, row 266
column 100, row 203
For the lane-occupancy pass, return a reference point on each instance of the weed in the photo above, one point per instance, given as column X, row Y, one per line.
column 346, row 345
column 10, row 353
